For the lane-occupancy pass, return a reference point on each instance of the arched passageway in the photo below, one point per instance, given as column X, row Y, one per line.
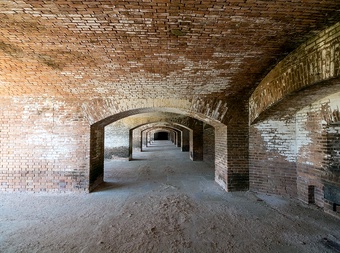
column 230, row 147
column 161, row 135
column 184, row 133
column 159, row 163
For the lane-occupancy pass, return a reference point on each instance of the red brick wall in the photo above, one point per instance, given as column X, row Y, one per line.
column 96, row 156
column 209, row 144
column 43, row 145
column 298, row 155
column 272, row 159
column 232, row 150
column 196, row 140
column 221, row 156
column 238, row 147
column 331, row 177
column 314, row 61
column 317, row 133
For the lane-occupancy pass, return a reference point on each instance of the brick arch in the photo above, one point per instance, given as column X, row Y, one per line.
column 96, row 170
column 106, row 111
column 231, row 153
column 288, row 106
column 182, row 128
column 170, row 122
column 167, row 129
column 315, row 61
column 291, row 145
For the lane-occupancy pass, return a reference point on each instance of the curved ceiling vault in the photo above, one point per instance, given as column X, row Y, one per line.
column 155, row 49
column 160, row 129
column 152, row 124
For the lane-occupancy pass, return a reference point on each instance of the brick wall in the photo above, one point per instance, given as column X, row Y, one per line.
column 232, row 149
column 272, row 157
column 96, row 156
column 298, row 155
column 209, row 144
column 221, row 156
column 196, row 140
column 317, row 139
column 65, row 152
column 331, row 177
column 314, row 61
column 238, row 147
column 136, row 140
column 44, row 145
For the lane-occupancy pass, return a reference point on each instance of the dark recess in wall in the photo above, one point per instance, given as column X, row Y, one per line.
column 161, row 136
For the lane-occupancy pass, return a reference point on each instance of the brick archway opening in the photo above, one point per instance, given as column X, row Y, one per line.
column 161, row 136
column 96, row 174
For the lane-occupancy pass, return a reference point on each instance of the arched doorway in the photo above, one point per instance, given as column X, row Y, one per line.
column 97, row 148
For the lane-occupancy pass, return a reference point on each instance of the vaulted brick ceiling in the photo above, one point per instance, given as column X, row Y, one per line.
column 150, row 48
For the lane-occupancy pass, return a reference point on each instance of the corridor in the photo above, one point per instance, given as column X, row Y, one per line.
column 161, row 201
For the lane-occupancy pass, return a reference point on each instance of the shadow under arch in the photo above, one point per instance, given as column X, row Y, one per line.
column 183, row 138
column 172, row 133
column 309, row 121
column 292, row 103
column 96, row 172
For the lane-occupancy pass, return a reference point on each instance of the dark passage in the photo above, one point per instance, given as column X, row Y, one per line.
column 159, row 136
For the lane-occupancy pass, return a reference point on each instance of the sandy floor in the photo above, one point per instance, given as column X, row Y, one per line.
column 163, row 202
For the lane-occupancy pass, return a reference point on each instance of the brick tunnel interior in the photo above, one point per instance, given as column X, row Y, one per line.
column 247, row 88
column 161, row 136
column 118, row 136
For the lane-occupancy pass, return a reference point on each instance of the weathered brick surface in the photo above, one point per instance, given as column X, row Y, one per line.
column 314, row 61
column 132, row 48
column 196, row 140
column 272, row 158
column 208, row 144
column 221, row 156
column 238, row 148
column 96, row 170
column 116, row 141
column 299, row 155
column 318, row 150
column 44, row 145
column 69, row 68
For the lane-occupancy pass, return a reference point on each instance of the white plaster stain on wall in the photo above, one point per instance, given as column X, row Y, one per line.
column 303, row 140
column 279, row 137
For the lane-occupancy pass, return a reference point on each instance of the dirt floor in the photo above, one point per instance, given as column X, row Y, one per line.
column 163, row 202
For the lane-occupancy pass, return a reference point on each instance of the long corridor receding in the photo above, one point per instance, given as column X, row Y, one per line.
column 160, row 163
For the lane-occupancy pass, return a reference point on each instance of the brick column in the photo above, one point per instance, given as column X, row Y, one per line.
column 238, row 148
column 185, row 139
column 130, row 144
column 179, row 137
column 196, row 140
column 96, row 156
column 232, row 151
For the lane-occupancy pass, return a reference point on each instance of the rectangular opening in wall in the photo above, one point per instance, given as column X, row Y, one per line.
column 332, row 196
column 334, row 207
column 311, row 194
